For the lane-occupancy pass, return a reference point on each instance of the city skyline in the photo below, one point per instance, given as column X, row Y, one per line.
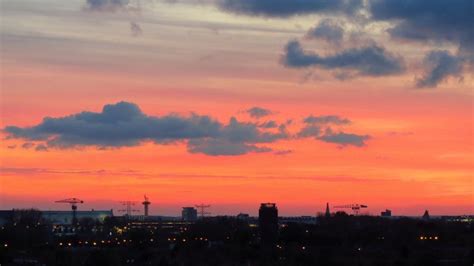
column 233, row 103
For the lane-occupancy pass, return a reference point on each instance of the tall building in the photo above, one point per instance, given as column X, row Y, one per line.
column 268, row 222
column 189, row 214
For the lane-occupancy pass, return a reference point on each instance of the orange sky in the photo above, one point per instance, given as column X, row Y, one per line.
column 420, row 155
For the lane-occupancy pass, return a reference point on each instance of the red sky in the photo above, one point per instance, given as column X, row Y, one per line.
column 67, row 60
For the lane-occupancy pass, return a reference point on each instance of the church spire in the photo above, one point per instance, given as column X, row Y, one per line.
column 328, row 213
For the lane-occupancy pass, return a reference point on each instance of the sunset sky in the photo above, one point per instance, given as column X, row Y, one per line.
column 236, row 102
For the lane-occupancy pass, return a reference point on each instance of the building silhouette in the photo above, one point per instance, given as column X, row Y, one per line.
column 386, row 213
column 189, row 214
column 268, row 223
column 328, row 212
column 426, row 215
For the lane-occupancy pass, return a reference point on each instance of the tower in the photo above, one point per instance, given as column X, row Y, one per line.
column 268, row 222
column 328, row 212
column 146, row 203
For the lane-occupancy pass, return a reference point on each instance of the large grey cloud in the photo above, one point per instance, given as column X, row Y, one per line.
column 439, row 65
column 121, row 124
column 124, row 124
column 372, row 60
column 286, row 8
column 438, row 20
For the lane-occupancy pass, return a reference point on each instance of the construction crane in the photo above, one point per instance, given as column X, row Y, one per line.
column 73, row 202
column 146, row 203
column 128, row 210
column 202, row 209
column 354, row 207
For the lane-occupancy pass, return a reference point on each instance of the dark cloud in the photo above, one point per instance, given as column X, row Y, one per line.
column 107, row 5
column 287, row 8
column 372, row 60
column 320, row 128
column 124, row 124
column 328, row 30
column 121, row 124
column 439, row 65
column 269, row 124
column 421, row 20
column 258, row 112
column 326, row 119
column 344, row 139
column 309, row 131
column 237, row 138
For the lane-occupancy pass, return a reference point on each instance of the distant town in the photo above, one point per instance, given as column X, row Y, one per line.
column 339, row 235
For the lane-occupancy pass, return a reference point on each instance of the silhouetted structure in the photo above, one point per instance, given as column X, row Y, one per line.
column 354, row 207
column 146, row 203
column 27, row 237
column 426, row 215
column 328, row 212
column 128, row 210
column 202, row 209
column 386, row 213
column 73, row 202
column 189, row 214
column 268, row 222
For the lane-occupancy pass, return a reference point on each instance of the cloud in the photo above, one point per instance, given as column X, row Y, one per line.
column 269, row 124
column 439, row 65
column 326, row 119
column 237, row 138
column 344, row 139
column 421, row 20
column 309, row 131
column 124, row 124
column 287, row 8
column 320, row 128
column 372, row 60
column 121, row 124
column 258, row 112
column 328, row 30
column 107, row 5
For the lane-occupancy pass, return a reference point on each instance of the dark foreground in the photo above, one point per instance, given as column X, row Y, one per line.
column 339, row 240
